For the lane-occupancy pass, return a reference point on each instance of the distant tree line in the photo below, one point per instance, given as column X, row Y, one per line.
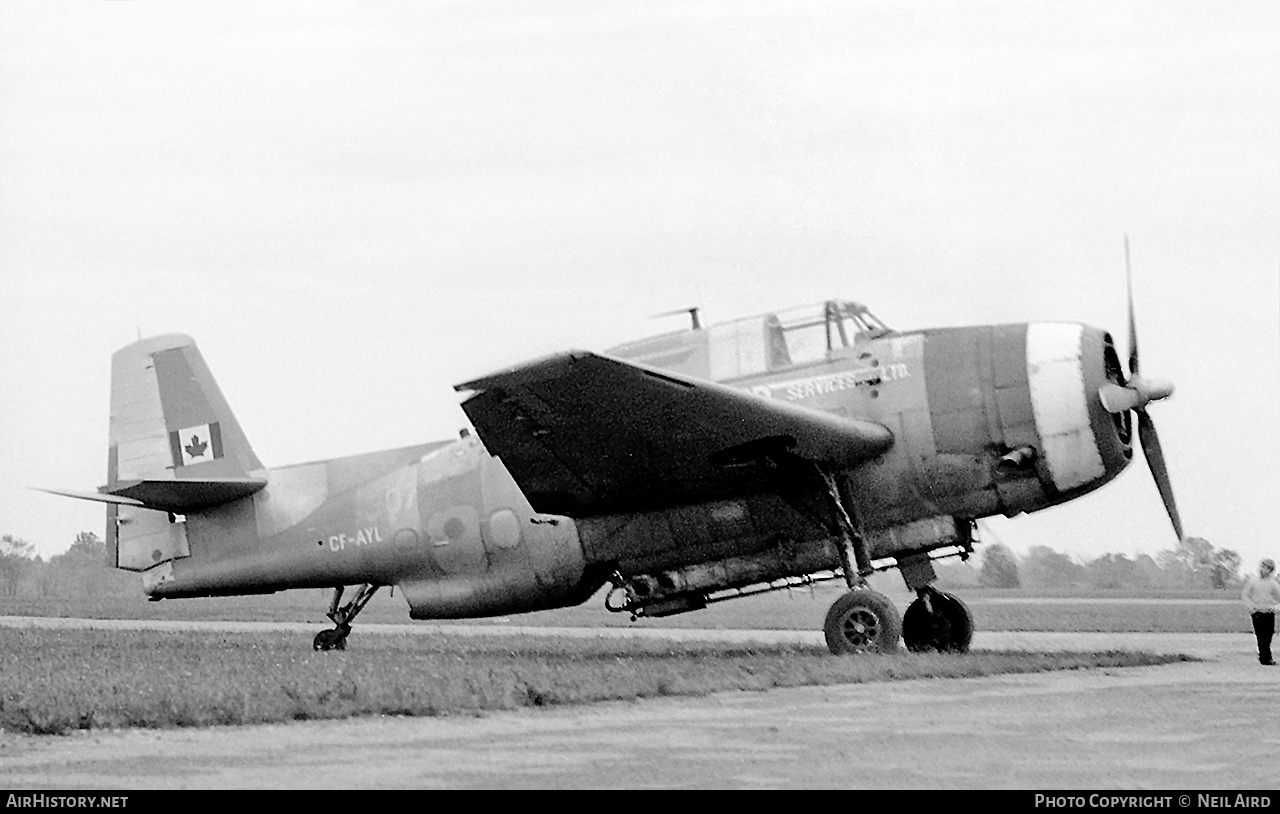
column 81, row 571
column 1194, row 564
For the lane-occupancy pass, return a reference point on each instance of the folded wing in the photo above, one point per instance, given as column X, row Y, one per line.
column 585, row 434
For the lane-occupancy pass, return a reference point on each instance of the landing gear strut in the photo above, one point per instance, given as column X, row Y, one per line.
column 863, row 620
column 937, row 621
column 336, row 639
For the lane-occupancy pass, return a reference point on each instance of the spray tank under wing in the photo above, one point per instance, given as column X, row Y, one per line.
column 175, row 448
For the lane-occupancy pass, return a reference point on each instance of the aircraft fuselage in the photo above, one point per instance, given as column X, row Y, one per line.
column 447, row 524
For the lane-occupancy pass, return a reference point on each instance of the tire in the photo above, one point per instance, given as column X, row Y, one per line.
column 862, row 621
column 330, row 639
column 948, row 629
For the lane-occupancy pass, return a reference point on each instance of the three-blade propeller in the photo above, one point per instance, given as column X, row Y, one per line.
column 1135, row 394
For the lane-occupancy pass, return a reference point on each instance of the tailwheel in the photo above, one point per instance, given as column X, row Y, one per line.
column 862, row 621
column 336, row 639
column 937, row 621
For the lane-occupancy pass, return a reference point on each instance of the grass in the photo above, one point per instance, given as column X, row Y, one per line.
column 1206, row 612
column 1156, row 617
column 58, row 681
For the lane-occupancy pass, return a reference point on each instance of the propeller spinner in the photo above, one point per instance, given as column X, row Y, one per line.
column 1135, row 394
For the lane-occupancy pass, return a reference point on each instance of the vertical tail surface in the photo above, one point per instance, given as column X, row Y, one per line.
column 169, row 422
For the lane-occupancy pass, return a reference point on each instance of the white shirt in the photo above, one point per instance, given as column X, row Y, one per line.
column 1261, row 594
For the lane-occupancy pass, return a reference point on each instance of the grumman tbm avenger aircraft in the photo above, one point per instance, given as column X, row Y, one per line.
column 684, row 469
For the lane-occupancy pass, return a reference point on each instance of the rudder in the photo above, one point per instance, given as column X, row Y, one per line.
column 169, row 423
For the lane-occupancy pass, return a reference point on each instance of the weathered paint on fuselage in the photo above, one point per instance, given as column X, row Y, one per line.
column 447, row 524
column 443, row 522
column 957, row 400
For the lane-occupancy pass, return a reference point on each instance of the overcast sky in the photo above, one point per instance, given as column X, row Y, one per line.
column 354, row 206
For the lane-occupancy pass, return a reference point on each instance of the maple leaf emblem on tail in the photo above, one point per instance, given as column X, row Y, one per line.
column 196, row 448
column 205, row 444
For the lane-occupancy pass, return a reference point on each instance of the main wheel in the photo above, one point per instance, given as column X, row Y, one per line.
column 862, row 621
column 943, row 624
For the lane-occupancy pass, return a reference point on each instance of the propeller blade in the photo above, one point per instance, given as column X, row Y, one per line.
column 1135, row 395
column 1133, row 327
column 1155, row 462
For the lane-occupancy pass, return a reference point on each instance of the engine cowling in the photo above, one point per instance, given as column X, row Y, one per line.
column 1005, row 419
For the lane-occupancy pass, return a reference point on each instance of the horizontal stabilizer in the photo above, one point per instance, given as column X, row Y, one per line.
column 177, row 496
column 97, row 497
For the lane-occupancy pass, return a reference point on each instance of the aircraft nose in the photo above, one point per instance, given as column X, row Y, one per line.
column 1082, row 443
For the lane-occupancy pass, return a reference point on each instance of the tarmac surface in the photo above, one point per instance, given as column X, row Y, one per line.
column 1208, row 725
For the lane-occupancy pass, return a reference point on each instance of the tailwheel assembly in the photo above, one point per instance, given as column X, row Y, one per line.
column 862, row 621
column 336, row 638
column 937, row 621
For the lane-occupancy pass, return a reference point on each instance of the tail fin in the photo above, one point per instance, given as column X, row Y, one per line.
column 169, row 418
column 175, row 446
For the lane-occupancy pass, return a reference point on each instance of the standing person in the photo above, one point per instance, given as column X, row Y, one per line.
column 1262, row 596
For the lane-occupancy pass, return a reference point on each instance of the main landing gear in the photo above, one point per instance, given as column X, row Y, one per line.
column 336, row 639
column 864, row 621
column 937, row 621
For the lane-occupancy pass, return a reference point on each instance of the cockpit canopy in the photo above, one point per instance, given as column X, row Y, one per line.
column 757, row 345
